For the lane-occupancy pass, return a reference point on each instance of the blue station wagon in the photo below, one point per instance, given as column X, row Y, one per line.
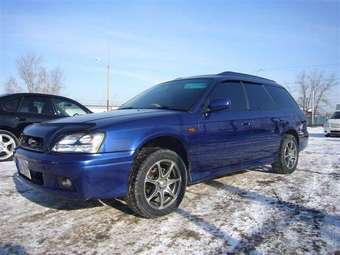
column 172, row 135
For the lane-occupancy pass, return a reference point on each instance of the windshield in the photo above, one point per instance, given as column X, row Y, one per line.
column 175, row 95
column 336, row 115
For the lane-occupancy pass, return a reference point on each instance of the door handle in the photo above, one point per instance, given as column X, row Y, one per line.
column 246, row 123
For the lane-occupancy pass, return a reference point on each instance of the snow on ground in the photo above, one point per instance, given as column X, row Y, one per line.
column 255, row 212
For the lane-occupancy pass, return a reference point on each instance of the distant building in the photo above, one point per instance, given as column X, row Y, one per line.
column 337, row 107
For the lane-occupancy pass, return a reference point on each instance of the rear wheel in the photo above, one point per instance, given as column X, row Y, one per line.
column 288, row 156
column 8, row 143
column 157, row 184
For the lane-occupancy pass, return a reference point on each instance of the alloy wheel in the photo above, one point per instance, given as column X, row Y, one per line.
column 290, row 154
column 7, row 146
column 162, row 184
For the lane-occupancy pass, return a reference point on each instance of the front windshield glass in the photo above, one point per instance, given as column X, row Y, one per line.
column 336, row 115
column 175, row 95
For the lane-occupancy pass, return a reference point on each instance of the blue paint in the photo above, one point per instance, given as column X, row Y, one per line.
column 223, row 141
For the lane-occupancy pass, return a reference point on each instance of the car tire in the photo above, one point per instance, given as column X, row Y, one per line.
column 157, row 182
column 8, row 143
column 288, row 157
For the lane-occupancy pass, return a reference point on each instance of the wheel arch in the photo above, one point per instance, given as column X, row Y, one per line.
column 294, row 133
column 167, row 141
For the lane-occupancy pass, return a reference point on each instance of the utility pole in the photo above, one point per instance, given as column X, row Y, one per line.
column 313, row 107
column 108, row 83
column 108, row 88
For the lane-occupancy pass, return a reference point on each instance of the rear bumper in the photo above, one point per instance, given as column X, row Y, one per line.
column 97, row 176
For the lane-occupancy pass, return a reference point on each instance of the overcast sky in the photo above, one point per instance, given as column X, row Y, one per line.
column 154, row 41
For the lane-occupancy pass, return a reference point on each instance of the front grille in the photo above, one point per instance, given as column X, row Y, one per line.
column 36, row 177
column 32, row 143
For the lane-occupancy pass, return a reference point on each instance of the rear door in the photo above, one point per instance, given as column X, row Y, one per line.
column 8, row 108
column 263, row 124
column 34, row 109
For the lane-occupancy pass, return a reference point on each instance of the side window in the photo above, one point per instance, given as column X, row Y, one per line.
column 233, row 91
column 281, row 97
column 65, row 108
column 36, row 105
column 10, row 105
column 259, row 100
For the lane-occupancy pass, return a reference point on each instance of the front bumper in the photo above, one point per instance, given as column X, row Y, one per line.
column 332, row 130
column 303, row 141
column 93, row 176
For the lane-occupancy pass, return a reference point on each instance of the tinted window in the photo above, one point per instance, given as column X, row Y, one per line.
column 259, row 100
column 336, row 115
column 176, row 95
column 66, row 108
column 36, row 105
column 10, row 105
column 281, row 97
column 233, row 91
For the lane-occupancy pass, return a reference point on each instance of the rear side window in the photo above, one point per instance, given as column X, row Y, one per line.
column 36, row 105
column 259, row 99
column 281, row 97
column 233, row 91
column 10, row 105
column 336, row 115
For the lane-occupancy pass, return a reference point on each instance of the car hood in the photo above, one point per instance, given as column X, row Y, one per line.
column 49, row 130
column 112, row 117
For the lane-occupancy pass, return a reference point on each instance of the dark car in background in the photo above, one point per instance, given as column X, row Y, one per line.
column 175, row 134
column 17, row 111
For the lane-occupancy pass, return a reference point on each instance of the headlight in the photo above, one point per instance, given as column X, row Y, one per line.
column 79, row 143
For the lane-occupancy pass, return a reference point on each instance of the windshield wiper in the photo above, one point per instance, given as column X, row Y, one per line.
column 168, row 108
column 126, row 108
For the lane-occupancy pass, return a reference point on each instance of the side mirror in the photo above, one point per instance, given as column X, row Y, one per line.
column 219, row 104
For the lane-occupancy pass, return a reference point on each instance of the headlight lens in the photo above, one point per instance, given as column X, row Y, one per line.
column 79, row 143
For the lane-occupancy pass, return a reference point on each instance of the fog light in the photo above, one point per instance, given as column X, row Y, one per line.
column 65, row 182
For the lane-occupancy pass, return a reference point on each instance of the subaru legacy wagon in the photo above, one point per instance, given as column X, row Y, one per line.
column 177, row 133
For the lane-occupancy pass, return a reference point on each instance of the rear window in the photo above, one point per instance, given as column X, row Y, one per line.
column 281, row 97
column 259, row 99
column 336, row 115
column 10, row 105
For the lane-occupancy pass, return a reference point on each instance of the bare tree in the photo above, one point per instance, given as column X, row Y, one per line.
column 36, row 77
column 11, row 86
column 314, row 86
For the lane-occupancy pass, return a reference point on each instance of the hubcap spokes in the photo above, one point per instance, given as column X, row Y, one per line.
column 7, row 146
column 290, row 154
column 162, row 184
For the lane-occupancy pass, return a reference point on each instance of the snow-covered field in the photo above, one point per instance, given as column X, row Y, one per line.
column 255, row 212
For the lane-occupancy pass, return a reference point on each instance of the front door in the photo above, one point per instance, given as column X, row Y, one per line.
column 225, row 134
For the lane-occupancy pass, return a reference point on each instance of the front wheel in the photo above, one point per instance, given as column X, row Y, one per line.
column 8, row 143
column 157, row 184
column 288, row 156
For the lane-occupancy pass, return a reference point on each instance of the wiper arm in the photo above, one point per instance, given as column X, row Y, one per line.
column 169, row 108
column 126, row 108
